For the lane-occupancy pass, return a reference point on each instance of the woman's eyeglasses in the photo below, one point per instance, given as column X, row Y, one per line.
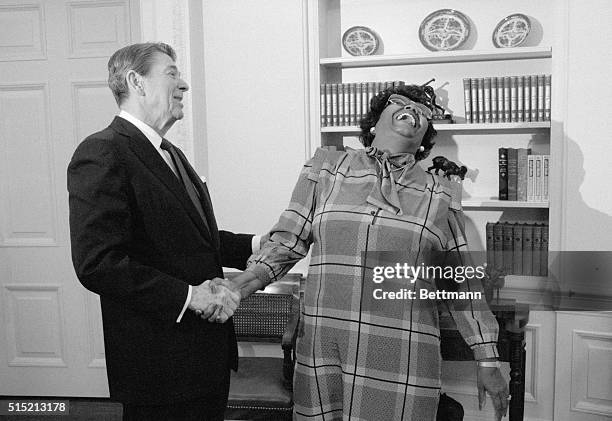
column 402, row 101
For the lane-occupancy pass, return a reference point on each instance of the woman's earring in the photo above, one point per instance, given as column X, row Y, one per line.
column 421, row 148
column 373, row 130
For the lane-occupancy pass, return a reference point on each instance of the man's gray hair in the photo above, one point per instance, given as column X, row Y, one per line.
column 137, row 57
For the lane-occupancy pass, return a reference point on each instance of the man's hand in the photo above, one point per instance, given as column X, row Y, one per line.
column 227, row 298
column 491, row 381
column 202, row 300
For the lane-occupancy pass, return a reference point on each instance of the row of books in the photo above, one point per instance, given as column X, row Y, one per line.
column 522, row 176
column 518, row 248
column 507, row 99
column 345, row 104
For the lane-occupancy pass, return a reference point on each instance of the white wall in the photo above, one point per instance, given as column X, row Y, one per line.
column 255, row 108
column 587, row 127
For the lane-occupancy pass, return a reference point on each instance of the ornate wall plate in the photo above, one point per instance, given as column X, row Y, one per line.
column 511, row 31
column 444, row 30
column 360, row 41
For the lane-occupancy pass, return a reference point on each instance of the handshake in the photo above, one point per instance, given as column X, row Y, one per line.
column 215, row 300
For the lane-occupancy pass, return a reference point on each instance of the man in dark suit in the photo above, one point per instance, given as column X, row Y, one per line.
column 144, row 238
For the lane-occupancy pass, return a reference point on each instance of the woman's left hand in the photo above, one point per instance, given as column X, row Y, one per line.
column 491, row 381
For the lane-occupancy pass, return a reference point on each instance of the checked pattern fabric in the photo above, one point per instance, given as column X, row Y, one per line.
column 359, row 358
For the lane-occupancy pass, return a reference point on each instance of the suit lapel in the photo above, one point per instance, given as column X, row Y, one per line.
column 143, row 149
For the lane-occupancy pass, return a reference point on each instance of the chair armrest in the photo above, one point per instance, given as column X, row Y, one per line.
column 288, row 344
column 288, row 340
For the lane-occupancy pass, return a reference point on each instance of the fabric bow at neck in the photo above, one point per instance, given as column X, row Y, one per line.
column 391, row 168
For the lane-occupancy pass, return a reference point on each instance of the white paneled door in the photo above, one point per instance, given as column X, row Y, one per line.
column 583, row 375
column 53, row 93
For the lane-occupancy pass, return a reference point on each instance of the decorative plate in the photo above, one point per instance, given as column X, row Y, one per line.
column 444, row 30
column 360, row 41
column 511, row 31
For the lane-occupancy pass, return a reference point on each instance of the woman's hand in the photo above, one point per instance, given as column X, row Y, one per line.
column 491, row 381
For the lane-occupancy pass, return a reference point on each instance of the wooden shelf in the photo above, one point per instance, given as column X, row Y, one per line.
column 475, row 202
column 458, row 56
column 543, row 125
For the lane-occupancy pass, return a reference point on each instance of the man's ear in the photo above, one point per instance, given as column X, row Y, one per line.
column 134, row 81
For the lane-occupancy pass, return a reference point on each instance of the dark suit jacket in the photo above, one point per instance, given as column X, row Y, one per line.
column 138, row 241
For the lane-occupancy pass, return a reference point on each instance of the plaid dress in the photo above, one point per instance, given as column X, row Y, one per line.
column 359, row 358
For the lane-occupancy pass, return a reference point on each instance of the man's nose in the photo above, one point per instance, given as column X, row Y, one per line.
column 183, row 86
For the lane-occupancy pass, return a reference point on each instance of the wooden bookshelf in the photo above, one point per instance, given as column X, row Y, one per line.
column 475, row 202
column 458, row 127
column 457, row 56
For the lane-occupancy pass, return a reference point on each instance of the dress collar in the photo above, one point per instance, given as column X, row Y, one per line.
column 392, row 168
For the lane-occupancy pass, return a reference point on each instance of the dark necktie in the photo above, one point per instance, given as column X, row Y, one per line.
column 184, row 177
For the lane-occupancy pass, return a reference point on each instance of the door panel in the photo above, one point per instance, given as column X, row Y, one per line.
column 53, row 93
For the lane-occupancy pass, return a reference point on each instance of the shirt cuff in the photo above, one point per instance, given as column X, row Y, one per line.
column 256, row 244
column 187, row 301
column 485, row 351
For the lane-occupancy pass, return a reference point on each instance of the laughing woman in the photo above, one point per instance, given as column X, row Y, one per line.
column 358, row 358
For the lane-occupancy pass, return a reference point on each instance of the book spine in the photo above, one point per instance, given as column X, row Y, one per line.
column 527, row 249
column 537, row 192
column 533, row 83
column 508, row 245
column 503, row 173
column 506, row 99
column 531, row 178
column 358, row 111
column 541, row 105
column 514, row 98
column 490, row 245
column 521, row 174
column 500, row 99
column 517, row 252
column 322, row 105
column 512, row 173
column 520, row 91
column 494, row 110
column 537, row 250
column 329, row 115
column 545, row 177
column 526, row 98
column 547, row 96
column 371, row 92
column 480, row 85
column 498, row 246
column 487, row 99
column 474, row 85
column 334, row 97
column 365, row 103
column 544, row 251
column 467, row 99
column 351, row 104
column 341, row 110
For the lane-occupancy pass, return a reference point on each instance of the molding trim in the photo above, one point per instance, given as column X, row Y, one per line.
column 51, row 239
column 33, row 55
column 168, row 21
column 38, row 361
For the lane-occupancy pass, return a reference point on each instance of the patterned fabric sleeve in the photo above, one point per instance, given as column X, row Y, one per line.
column 474, row 320
column 291, row 236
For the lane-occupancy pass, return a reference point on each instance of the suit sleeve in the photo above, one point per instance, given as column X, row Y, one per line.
column 474, row 319
column 102, row 220
column 235, row 249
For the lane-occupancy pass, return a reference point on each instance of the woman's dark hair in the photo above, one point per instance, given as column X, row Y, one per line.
column 379, row 102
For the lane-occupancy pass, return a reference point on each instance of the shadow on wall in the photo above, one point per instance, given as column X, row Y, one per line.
column 581, row 274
